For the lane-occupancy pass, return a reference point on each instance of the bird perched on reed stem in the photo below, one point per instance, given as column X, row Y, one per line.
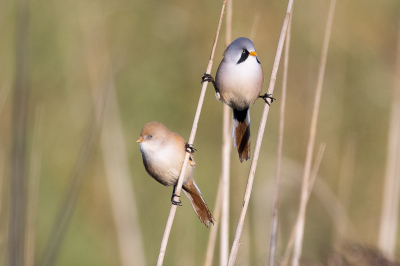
column 163, row 153
column 238, row 83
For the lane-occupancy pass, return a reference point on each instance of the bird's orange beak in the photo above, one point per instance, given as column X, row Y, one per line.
column 253, row 53
column 140, row 139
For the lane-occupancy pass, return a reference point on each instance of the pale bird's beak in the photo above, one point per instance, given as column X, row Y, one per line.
column 253, row 53
column 140, row 139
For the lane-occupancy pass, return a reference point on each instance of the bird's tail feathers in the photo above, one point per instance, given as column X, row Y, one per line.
column 241, row 133
column 198, row 203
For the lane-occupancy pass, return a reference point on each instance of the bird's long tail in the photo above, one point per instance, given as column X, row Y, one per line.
column 198, row 203
column 241, row 133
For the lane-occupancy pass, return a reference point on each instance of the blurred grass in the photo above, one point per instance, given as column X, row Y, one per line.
column 167, row 48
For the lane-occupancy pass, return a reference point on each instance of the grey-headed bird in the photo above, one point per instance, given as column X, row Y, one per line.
column 238, row 83
column 163, row 153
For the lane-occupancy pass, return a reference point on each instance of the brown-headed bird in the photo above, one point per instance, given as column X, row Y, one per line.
column 163, row 153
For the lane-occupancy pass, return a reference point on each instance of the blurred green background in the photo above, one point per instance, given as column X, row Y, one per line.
column 158, row 52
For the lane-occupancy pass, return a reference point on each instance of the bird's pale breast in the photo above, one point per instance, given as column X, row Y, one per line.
column 164, row 163
column 240, row 85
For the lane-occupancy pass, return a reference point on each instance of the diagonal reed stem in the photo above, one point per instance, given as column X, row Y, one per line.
column 274, row 219
column 311, row 140
column 172, row 211
column 239, row 228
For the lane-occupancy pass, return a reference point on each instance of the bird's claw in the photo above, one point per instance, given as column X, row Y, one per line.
column 174, row 202
column 267, row 96
column 208, row 78
column 189, row 148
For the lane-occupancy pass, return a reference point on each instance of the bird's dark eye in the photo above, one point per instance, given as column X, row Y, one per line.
column 244, row 56
column 150, row 136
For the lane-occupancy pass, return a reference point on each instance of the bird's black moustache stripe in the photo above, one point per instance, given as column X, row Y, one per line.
column 245, row 55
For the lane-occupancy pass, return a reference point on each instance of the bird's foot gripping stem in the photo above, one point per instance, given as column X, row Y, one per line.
column 189, row 148
column 174, row 202
column 267, row 96
column 209, row 78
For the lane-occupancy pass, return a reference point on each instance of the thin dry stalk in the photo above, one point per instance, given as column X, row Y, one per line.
column 226, row 158
column 3, row 94
column 33, row 188
column 214, row 229
column 311, row 139
column 345, row 184
column 289, row 247
column 274, row 219
column 239, row 228
column 390, row 203
column 2, row 158
column 113, row 146
column 255, row 26
column 19, row 130
column 172, row 212
column 120, row 188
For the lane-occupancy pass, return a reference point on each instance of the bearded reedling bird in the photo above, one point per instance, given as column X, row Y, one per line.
column 163, row 153
column 238, row 83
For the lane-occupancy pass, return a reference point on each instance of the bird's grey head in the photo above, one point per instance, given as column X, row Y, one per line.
column 240, row 50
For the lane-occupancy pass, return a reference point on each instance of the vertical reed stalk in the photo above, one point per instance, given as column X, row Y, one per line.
column 289, row 247
column 3, row 94
column 390, row 203
column 255, row 27
column 239, row 228
column 274, row 219
column 17, row 216
column 311, row 139
column 2, row 159
column 214, row 229
column 345, row 184
column 226, row 157
column 33, row 188
column 113, row 145
column 172, row 212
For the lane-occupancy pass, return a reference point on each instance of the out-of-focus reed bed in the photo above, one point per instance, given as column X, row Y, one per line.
column 79, row 80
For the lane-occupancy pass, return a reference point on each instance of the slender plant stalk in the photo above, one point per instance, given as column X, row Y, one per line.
column 214, row 229
column 17, row 216
column 289, row 248
column 274, row 219
column 3, row 94
column 33, row 188
column 390, row 203
column 172, row 212
column 239, row 228
column 311, row 139
column 120, row 188
column 226, row 157
column 113, row 145
column 345, row 184
column 254, row 28
column 2, row 159
column 3, row 97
